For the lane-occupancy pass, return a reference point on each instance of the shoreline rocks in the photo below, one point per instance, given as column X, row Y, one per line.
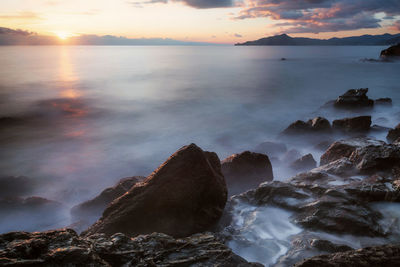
column 185, row 195
column 391, row 52
column 353, row 125
column 354, row 98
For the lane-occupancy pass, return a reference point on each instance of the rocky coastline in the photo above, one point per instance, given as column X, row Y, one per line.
column 198, row 210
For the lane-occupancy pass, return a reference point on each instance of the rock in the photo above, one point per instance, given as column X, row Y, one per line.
column 393, row 134
column 316, row 125
column 320, row 124
column 344, row 148
column 245, row 171
column 342, row 167
column 297, row 127
column 393, row 51
column 325, row 245
column 384, row 101
column 66, row 248
column 379, row 129
column 354, row 98
column 304, row 163
column 322, row 146
column 271, row 149
column 385, row 255
column 185, row 195
column 353, row 125
column 92, row 209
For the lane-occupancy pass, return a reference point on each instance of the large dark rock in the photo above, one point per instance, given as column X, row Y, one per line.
column 316, row 125
column 66, row 248
column 185, row 195
column 320, row 124
column 245, row 171
column 393, row 134
column 393, row 51
column 385, row 255
column 12, row 186
column 92, row 209
column 386, row 101
column 344, row 148
column 354, row 98
column 353, row 125
column 304, row 163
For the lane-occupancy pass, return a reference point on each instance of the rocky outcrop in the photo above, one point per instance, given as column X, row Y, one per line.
column 354, row 98
column 316, row 125
column 304, row 163
column 66, row 248
column 393, row 134
column 344, row 148
column 92, row 209
column 353, row 125
column 245, row 171
column 386, row 255
column 185, row 195
column 391, row 52
column 386, row 101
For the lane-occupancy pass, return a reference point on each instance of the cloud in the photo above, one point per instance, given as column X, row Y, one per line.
column 314, row 16
column 238, row 35
column 21, row 15
column 396, row 25
column 201, row 4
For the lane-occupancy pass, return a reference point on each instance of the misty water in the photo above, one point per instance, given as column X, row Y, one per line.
column 78, row 119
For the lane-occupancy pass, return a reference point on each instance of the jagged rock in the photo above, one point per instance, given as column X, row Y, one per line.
column 344, row 148
column 245, row 171
column 384, row 101
column 185, row 195
column 92, row 209
column 393, row 134
column 354, row 98
column 328, row 246
column 66, row 248
column 393, row 51
column 304, row 163
column 355, row 124
column 385, row 255
column 320, row 124
column 271, row 149
column 342, row 166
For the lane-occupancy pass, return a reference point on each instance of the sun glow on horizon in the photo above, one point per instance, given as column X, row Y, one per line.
column 63, row 35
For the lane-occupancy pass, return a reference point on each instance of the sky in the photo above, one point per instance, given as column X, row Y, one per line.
column 215, row 21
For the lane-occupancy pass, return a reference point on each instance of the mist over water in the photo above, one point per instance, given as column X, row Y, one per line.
column 80, row 118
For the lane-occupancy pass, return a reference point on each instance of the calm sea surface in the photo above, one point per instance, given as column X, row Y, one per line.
column 84, row 117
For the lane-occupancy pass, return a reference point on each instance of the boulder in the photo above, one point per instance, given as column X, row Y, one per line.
column 386, row 101
column 185, row 195
column 92, row 209
column 353, row 125
column 385, row 255
column 245, row 171
column 391, row 52
column 344, row 148
column 271, row 149
column 304, row 163
column 320, row 124
column 354, row 98
column 393, row 134
column 65, row 248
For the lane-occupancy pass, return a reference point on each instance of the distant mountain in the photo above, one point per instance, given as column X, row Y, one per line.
column 284, row 39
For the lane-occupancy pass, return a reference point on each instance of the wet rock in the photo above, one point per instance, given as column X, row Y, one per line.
column 379, row 129
column 297, row 127
column 344, row 148
column 384, row 101
column 92, row 209
column 272, row 149
column 185, row 195
column 66, row 248
column 328, row 246
column 354, row 98
column 304, row 163
column 351, row 125
column 342, row 167
column 245, row 171
column 320, row 124
column 391, row 52
column 385, row 255
column 393, row 134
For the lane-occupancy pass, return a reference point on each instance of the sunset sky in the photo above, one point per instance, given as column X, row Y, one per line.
column 217, row 21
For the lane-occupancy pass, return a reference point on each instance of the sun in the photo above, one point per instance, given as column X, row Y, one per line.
column 63, row 35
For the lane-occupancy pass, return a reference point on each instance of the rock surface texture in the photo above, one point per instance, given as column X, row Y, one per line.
column 393, row 51
column 353, row 125
column 185, row 195
column 66, row 248
column 354, row 98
